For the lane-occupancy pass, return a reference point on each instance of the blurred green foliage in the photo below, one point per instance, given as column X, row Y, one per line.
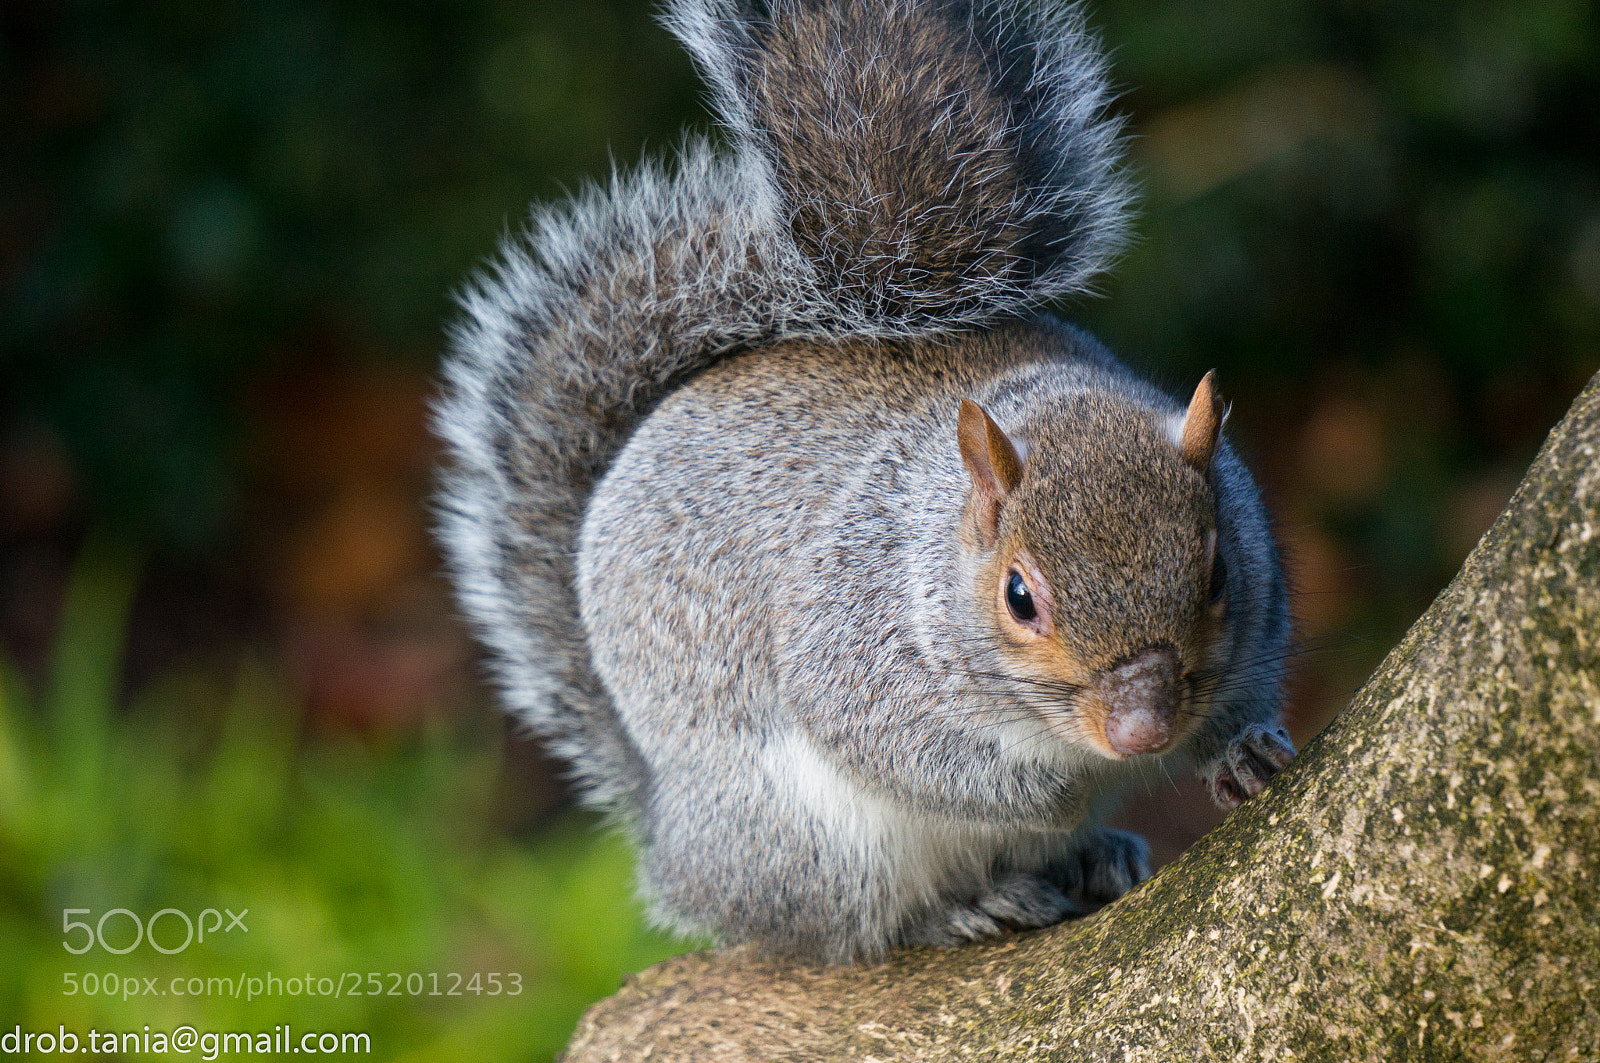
column 197, row 192
column 1368, row 182
column 348, row 858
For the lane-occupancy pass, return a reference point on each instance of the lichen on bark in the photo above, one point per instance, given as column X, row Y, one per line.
column 1420, row 884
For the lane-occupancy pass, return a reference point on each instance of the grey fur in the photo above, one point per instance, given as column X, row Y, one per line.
column 842, row 754
column 706, row 508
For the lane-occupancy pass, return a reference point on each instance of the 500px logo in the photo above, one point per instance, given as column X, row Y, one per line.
column 146, row 930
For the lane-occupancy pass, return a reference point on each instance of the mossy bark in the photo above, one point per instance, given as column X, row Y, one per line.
column 1420, row 884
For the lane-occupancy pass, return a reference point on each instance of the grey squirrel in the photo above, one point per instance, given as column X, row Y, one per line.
column 850, row 580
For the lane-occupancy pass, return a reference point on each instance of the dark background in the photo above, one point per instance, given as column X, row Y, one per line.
column 229, row 232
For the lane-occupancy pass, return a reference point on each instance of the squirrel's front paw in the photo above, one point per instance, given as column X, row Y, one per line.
column 1107, row 864
column 1020, row 902
column 1248, row 763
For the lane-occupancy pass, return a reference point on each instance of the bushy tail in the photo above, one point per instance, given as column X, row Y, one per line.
column 899, row 169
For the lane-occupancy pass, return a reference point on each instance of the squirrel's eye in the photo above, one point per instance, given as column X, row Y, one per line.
column 1219, row 578
column 1019, row 599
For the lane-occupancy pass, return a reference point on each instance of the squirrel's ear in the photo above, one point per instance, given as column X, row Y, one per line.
column 991, row 459
column 1197, row 436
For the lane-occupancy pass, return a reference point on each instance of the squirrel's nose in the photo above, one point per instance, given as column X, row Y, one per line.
column 1141, row 700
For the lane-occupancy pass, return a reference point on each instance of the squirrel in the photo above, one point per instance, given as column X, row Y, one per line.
column 851, row 581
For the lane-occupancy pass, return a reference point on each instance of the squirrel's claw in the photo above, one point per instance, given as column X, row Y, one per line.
column 1251, row 760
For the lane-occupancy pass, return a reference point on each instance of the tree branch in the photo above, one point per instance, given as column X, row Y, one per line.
column 1420, row 884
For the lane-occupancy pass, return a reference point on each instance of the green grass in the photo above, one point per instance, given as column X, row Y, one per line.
column 350, row 859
